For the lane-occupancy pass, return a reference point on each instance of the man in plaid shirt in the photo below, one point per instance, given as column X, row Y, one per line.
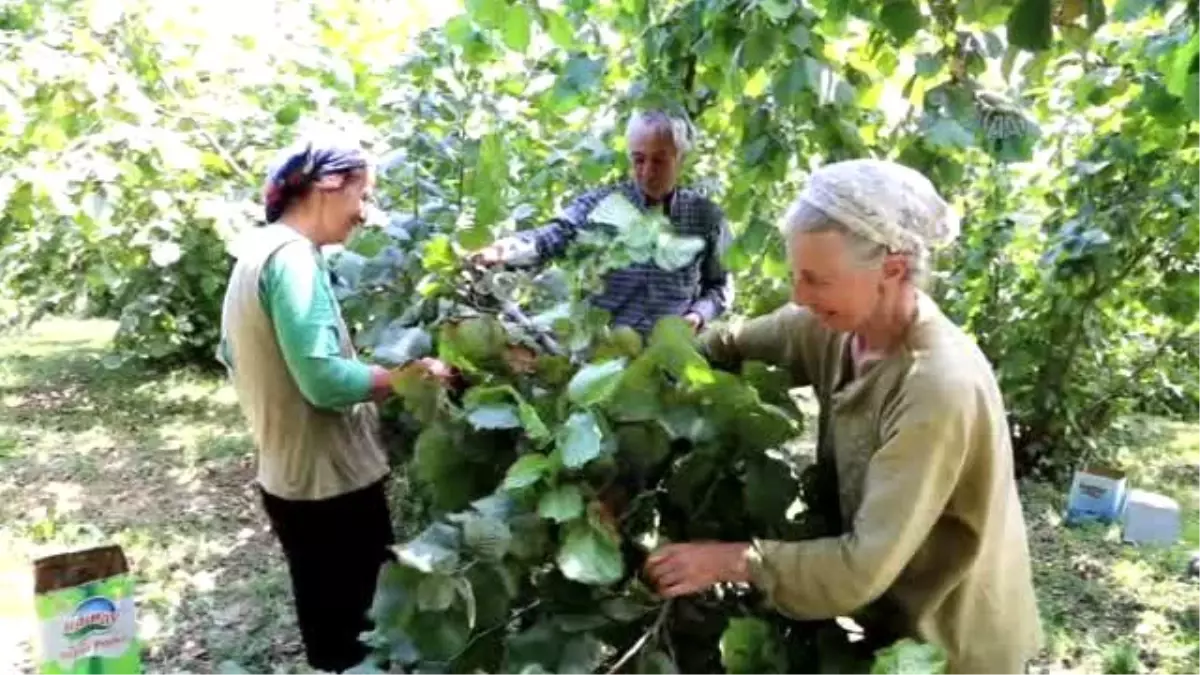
column 639, row 295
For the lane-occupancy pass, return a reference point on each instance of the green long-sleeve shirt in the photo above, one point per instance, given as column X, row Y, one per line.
column 296, row 293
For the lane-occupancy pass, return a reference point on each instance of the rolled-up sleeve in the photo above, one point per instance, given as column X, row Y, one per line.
column 553, row 238
column 716, row 284
column 909, row 481
column 776, row 338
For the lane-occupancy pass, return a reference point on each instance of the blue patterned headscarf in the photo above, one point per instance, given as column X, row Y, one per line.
column 296, row 168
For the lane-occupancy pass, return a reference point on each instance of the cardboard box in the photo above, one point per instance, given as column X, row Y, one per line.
column 84, row 604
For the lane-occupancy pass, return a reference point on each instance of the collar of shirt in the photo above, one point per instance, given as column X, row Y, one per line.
column 666, row 202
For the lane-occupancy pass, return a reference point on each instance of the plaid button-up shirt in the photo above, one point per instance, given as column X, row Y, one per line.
column 639, row 295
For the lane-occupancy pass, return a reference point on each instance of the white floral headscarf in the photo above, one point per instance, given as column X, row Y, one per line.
column 884, row 202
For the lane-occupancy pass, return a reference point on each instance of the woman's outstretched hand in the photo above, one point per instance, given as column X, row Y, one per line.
column 382, row 379
column 683, row 569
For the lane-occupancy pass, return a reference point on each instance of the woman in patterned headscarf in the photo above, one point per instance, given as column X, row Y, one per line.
column 930, row 540
column 308, row 399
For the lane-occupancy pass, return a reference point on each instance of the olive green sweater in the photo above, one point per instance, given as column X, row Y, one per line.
column 925, row 483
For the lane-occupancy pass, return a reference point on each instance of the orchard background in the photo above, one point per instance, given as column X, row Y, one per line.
column 136, row 133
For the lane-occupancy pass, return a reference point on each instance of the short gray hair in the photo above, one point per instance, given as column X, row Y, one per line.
column 662, row 122
column 803, row 217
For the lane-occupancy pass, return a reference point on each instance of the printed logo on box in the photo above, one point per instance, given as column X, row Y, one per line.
column 94, row 615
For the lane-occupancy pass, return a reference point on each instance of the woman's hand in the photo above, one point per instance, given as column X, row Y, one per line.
column 683, row 569
column 382, row 379
column 444, row 373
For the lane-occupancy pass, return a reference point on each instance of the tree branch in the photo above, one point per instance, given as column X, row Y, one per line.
column 492, row 629
column 650, row 632
column 240, row 170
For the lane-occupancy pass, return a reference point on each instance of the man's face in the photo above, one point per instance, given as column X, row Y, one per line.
column 655, row 161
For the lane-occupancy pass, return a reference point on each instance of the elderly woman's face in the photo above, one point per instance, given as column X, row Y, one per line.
column 345, row 206
column 826, row 280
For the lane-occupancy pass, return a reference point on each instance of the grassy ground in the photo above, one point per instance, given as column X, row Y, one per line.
column 162, row 465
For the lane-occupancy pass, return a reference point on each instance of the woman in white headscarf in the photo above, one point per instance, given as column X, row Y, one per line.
column 912, row 433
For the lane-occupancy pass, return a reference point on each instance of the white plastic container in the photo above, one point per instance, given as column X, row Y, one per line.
column 1151, row 518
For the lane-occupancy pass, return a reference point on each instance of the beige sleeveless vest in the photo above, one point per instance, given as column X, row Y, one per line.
column 304, row 452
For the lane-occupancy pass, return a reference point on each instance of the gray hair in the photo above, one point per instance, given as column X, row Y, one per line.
column 662, row 122
column 803, row 217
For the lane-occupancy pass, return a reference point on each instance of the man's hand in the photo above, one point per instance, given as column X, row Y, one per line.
column 695, row 320
column 509, row 250
column 521, row 359
column 489, row 255
column 683, row 569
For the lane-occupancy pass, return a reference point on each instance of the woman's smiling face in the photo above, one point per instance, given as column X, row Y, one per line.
column 828, row 280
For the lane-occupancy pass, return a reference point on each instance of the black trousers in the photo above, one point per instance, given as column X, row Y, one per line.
column 334, row 548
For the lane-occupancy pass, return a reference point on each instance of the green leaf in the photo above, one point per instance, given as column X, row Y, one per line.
column 1097, row 15
column 655, row 661
column 582, row 654
column 459, row 30
column 532, row 422
column 908, row 656
column 618, row 211
column 467, row 592
column 393, row 593
column 769, row 489
column 398, row 345
column 527, row 470
column 531, row 537
column 290, row 113
column 590, row 556
column 439, row 255
column 560, row 30
column 751, row 645
column 487, row 537
column 516, row 29
column 1131, row 10
column 436, row 453
column 901, row 18
column 1182, row 73
column 675, row 252
column 688, row 422
column 491, row 177
column 490, row 592
column 435, row 593
column 579, row 439
column 639, row 395
column 582, row 73
column 946, row 132
column 488, row 13
column 472, row 343
column 537, row 649
column 692, row 474
column 435, row 550
column 495, row 416
column 561, row 504
column 779, row 10
column 421, row 394
column 439, row 635
column 644, row 446
column 1029, row 25
column 800, row 37
column 595, row 383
